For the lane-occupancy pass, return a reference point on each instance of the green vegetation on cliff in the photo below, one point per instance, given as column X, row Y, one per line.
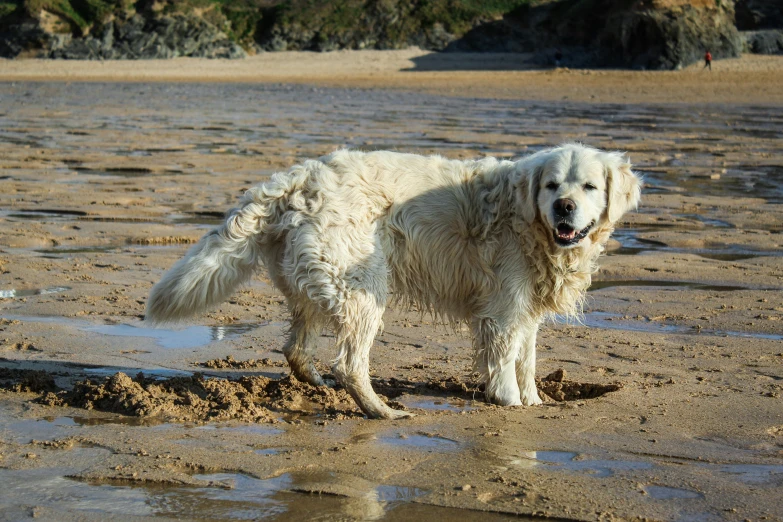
column 80, row 14
column 249, row 21
column 457, row 16
column 624, row 33
column 379, row 24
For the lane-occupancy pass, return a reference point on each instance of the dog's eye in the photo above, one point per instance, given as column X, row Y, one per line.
column 552, row 185
column 590, row 186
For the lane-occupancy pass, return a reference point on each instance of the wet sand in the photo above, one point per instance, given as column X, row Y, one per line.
column 748, row 80
column 668, row 406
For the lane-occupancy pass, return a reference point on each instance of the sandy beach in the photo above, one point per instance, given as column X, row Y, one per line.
column 663, row 403
column 747, row 80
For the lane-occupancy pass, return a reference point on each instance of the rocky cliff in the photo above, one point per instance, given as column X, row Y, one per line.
column 116, row 29
column 753, row 15
column 648, row 34
column 761, row 25
column 374, row 24
column 138, row 37
column 643, row 34
column 667, row 34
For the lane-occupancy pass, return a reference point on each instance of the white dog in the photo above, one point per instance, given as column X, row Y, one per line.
column 498, row 244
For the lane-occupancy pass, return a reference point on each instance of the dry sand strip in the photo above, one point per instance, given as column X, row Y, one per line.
column 748, row 80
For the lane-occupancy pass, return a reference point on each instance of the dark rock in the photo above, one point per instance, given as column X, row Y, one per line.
column 609, row 33
column 380, row 25
column 759, row 14
column 138, row 37
column 24, row 36
column 657, row 39
column 521, row 31
column 763, row 42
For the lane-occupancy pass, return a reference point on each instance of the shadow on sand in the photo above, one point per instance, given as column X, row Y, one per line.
column 476, row 61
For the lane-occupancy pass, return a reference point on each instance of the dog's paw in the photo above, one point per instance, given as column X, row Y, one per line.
column 530, row 397
column 400, row 414
column 504, row 400
column 503, row 394
column 391, row 414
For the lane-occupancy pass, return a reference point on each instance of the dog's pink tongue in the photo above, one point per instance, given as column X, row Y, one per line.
column 565, row 232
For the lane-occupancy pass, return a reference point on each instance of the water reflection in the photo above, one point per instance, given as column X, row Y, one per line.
column 190, row 337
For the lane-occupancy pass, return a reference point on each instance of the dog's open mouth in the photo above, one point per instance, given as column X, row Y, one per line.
column 566, row 235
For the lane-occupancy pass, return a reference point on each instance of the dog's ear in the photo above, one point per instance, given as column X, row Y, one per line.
column 623, row 187
column 530, row 170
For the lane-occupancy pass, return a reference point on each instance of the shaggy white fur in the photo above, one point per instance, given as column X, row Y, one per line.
column 498, row 244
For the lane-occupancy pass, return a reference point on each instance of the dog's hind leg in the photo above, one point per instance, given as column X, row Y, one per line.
column 496, row 348
column 526, row 367
column 300, row 346
column 342, row 273
column 356, row 331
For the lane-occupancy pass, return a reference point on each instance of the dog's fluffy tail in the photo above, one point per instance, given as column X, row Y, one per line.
column 226, row 257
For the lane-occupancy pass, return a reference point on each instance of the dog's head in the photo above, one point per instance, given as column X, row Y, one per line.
column 574, row 188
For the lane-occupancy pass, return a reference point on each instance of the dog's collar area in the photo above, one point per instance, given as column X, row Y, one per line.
column 566, row 235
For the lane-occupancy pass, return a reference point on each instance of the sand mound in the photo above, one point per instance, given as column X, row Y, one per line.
column 35, row 381
column 230, row 363
column 196, row 398
column 252, row 398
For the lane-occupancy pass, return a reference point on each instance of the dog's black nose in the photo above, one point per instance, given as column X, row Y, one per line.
column 564, row 207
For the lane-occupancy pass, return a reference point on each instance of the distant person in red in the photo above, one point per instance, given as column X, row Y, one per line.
column 708, row 60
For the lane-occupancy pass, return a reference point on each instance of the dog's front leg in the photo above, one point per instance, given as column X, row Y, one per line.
column 495, row 353
column 526, row 367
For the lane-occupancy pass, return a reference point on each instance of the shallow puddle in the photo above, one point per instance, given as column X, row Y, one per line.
column 162, row 373
column 397, row 493
column 125, row 172
column 743, row 181
column 631, row 244
column 191, row 337
column 31, row 292
column 229, row 496
column 600, row 285
column 49, row 428
column 754, row 473
column 667, row 493
column 435, row 403
column 43, row 214
column 418, row 441
column 207, row 219
column 710, row 222
column 617, row 322
column 76, row 250
column 250, row 498
column 574, row 462
column 23, row 431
